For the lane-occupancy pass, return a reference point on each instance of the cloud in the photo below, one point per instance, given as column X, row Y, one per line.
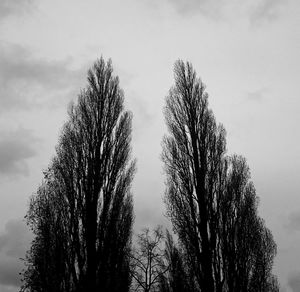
column 294, row 282
column 257, row 95
column 10, row 7
column 265, row 10
column 256, row 11
column 27, row 82
column 14, row 242
column 206, row 7
column 15, row 148
column 143, row 117
column 9, row 272
column 7, row 288
column 294, row 222
column 15, row 238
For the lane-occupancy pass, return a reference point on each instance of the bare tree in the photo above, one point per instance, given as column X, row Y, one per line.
column 86, row 192
column 210, row 200
column 148, row 260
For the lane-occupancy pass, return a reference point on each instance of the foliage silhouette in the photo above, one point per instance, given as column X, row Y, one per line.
column 82, row 213
column 176, row 278
column 210, row 200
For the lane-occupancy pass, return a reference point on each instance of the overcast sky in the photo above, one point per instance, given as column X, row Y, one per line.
column 246, row 52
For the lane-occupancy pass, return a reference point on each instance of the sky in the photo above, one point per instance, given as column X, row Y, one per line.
column 246, row 52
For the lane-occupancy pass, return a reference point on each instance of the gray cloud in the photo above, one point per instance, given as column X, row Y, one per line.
column 141, row 110
column 14, row 243
column 206, row 7
column 294, row 222
column 15, row 148
column 257, row 95
column 256, row 11
column 15, row 238
column 265, row 10
column 143, row 117
column 27, row 82
column 294, row 282
column 9, row 272
column 7, row 288
column 9, row 7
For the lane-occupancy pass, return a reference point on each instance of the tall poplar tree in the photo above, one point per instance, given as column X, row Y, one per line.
column 209, row 196
column 82, row 213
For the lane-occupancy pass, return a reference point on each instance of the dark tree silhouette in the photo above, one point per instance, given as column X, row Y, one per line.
column 248, row 248
column 176, row 278
column 82, row 214
column 210, row 200
column 147, row 261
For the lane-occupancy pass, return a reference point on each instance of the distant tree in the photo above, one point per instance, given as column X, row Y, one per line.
column 147, row 261
column 210, row 200
column 82, row 214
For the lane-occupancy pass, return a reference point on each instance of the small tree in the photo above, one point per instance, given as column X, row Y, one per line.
column 82, row 214
column 148, row 260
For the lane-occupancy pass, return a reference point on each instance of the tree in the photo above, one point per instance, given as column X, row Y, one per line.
column 248, row 248
column 176, row 278
column 148, row 261
column 82, row 214
column 46, row 262
column 210, row 200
